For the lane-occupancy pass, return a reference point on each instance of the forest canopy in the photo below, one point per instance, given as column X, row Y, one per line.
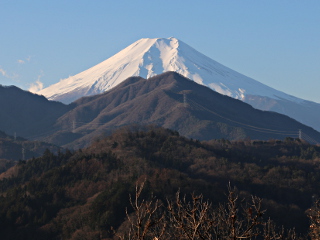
column 86, row 192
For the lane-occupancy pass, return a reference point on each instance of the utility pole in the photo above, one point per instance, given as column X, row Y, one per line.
column 15, row 136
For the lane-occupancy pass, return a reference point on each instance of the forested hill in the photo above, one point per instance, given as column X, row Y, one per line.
column 171, row 101
column 86, row 192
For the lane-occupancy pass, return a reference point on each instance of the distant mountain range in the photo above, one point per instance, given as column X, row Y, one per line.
column 169, row 100
column 149, row 57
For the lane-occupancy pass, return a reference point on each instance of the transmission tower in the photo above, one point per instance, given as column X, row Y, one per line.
column 23, row 154
column 73, row 125
column 185, row 100
column 300, row 134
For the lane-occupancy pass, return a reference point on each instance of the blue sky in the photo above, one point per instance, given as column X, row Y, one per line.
column 276, row 42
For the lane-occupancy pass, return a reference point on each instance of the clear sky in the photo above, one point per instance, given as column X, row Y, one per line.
column 276, row 42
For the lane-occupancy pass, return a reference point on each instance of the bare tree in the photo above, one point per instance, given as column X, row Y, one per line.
column 197, row 220
column 237, row 219
column 270, row 232
column 190, row 220
column 147, row 220
column 314, row 216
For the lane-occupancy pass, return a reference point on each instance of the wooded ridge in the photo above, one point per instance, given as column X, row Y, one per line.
column 86, row 192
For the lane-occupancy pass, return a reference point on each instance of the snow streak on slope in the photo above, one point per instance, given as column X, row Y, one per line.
column 148, row 57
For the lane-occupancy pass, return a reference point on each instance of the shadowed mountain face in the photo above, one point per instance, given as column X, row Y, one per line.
column 172, row 101
column 26, row 114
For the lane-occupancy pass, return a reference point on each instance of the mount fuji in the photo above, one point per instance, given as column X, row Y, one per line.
column 149, row 57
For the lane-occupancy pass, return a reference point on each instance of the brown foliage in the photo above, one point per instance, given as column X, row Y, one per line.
column 196, row 219
column 314, row 216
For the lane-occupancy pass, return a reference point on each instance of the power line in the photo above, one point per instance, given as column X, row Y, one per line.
column 299, row 134
column 309, row 139
column 251, row 127
column 186, row 102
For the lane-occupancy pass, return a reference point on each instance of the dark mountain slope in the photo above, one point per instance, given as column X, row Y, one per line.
column 172, row 101
column 169, row 100
column 27, row 114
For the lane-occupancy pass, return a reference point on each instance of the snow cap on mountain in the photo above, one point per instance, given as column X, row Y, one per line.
column 151, row 56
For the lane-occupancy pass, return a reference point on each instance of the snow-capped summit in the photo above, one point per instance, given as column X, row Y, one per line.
column 150, row 56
